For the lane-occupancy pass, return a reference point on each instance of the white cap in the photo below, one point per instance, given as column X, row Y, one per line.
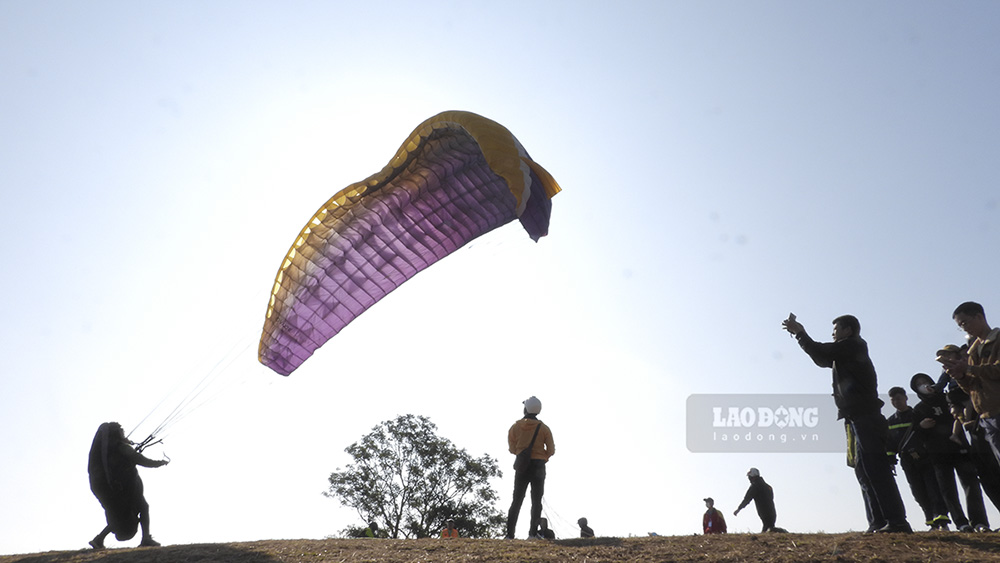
column 753, row 472
column 532, row 405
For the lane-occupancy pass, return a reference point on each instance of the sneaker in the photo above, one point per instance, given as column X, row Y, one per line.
column 966, row 529
column 874, row 528
column 983, row 528
column 148, row 541
column 902, row 528
column 97, row 542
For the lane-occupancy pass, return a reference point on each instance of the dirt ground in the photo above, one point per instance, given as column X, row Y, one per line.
column 924, row 546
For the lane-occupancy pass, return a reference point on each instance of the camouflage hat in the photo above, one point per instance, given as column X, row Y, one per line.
column 948, row 349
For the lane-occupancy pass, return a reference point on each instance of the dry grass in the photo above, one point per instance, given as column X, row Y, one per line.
column 926, row 546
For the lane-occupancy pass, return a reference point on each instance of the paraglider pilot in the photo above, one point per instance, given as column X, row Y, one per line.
column 116, row 484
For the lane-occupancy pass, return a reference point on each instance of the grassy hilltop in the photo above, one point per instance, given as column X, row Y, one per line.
column 926, row 546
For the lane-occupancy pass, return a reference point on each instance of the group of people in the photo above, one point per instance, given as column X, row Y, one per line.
column 928, row 441
column 115, row 481
column 946, row 435
column 954, row 429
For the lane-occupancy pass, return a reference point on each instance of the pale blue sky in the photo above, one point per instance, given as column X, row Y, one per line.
column 723, row 163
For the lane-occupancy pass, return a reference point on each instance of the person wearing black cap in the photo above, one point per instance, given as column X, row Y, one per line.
column 713, row 522
column 532, row 439
column 855, row 391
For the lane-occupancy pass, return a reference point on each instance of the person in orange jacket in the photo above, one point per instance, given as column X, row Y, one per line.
column 529, row 431
column 449, row 531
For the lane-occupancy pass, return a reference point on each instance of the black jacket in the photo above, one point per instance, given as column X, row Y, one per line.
column 938, row 437
column 855, row 384
column 904, row 441
column 762, row 494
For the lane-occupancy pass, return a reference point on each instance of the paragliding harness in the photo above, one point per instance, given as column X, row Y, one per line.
column 523, row 459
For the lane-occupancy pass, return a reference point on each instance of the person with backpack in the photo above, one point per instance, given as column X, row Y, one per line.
column 713, row 522
column 115, row 482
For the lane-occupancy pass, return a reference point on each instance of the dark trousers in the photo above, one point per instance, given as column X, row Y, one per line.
column 534, row 475
column 767, row 515
column 883, row 505
column 991, row 431
column 946, row 467
column 986, row 465
column 924, row 486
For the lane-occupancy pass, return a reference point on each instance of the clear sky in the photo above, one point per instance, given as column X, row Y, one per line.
column 723, row 163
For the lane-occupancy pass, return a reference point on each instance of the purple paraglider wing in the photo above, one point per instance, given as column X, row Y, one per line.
column 458, row 176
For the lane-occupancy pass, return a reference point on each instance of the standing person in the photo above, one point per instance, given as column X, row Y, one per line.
column 979, row 373
column 916, row 463
column 949, row 351
column 713, row 522
column 529, row 431
column 115, row 482
column 986, row 463
column 762, row 496
column 855, row 392
column 933, row 419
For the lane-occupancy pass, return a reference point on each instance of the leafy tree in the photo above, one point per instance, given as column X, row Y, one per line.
column 359, row 532
column 410, row 480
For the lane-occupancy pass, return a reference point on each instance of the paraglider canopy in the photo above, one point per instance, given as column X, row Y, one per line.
column 456, row 177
